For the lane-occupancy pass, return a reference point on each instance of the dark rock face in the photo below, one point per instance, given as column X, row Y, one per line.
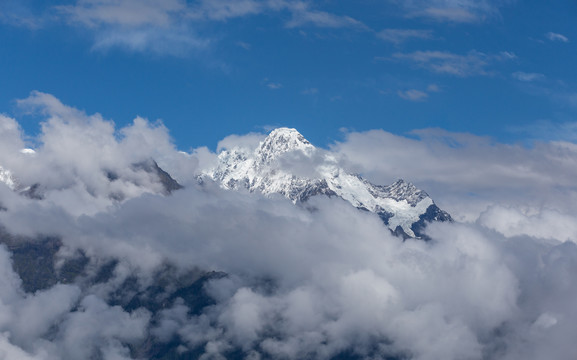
column 33, row 192
column 432, row 214
column 37, row 191
column 303, row 192
column 151, row 167
column 34, row 261
column 398, row 191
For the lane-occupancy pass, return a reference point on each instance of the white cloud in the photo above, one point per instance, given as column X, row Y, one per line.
column 272, row 85
column 130, row 13
column 310, row 91
column 551, row 131
column 477, row 171
column 315, row 281
column 140, row 26
column 398, row 36
column 68, row 136
column 171, row 41
column 413, row 95
column 170, row 27
column 247, row 141
column 457, row 11
column 523, row 76
column 222, row 10
column 540, row 223
column 459, row 15
column 473, row 63
column 18, row 13
column 323, row 19
column 244, row 45
column 556, row 37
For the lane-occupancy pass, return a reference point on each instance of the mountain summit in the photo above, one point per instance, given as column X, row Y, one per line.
column 286, row 163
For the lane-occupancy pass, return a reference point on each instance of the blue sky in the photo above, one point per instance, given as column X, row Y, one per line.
column 207, row 69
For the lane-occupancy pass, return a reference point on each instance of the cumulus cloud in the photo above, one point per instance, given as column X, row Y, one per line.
column 69, row 136
column 247, row 141
column 477, row 170
column 212, row 273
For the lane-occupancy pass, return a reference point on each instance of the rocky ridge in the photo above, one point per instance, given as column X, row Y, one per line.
column 286, row 163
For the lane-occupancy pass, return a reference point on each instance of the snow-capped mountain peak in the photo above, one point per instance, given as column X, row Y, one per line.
column 286, row 163
column 280, row 141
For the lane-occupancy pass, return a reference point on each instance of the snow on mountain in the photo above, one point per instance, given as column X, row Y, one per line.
column 288, row 164
column 7, row 178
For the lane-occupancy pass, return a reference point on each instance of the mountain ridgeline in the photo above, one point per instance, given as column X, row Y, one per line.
column 283, row 163
column 286, row 163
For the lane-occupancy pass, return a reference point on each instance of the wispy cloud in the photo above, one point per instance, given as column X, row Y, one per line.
column 418, row 95
column 433, row 88
column 528, row 77
column 474, row 63
column 139, row 26
column 549, row 130
column 170, row 26
column 413, row 95
column 569, row 98
column 398, row 36
column 166, row 41
column 556, row 37
column 222, row 10
column 274, row 86
column 18, row 13
column 310, row 91
column 93, row 13
column 460, row 15
column 323, row 19
column 271, row 84
column 243, row 45
column 456, row 11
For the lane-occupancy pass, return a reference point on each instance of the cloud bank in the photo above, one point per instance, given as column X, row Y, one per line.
column 275, row 280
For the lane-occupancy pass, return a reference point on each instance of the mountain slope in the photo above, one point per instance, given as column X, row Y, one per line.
column 286, row 163
column 118, row 185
